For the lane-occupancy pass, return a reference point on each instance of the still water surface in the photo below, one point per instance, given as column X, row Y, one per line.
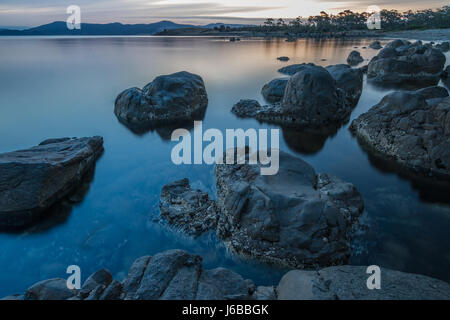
column 56, row 87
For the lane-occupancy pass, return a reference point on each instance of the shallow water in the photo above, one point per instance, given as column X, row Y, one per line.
column 57, row 87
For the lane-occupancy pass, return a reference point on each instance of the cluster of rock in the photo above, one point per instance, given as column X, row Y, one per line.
column 191, row 210
column 33, row 180
column 412, row 128
column 401, row 61
column 296, row 218
column 312, row 97
column 178, row 275
column 168, row 99
column 170, row 275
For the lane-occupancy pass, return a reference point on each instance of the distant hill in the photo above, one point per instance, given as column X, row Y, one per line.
column 60, row 28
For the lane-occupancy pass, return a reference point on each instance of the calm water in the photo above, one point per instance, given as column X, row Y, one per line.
column 58, row 87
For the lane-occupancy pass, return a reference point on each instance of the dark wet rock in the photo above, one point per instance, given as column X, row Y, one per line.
column 296, row 218
column 350, row 283
column 364, row 69
column 223, row 284
column 283, row 58
column 52, row 289
column 98, row 280
column 189, row 210
column 274, row 90
column 312, row 99
column 348, row 79
column 169, row 99
column 403, row 62
column 407, row 129
column 265, row 293
column 112, row 292
column 443, row 47
column 33, row 180
column 375, row 45
column 354, row 58
column 433, row 94
column 13, row 297
column 446, row 73
column 292, row 69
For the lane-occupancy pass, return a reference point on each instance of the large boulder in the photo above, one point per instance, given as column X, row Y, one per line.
column 354, row 58
column 34, row 179
column 404, row 62
column 188, row 210
column 296, row 218
column 410, row 128
column 348, row 79
column 168, row 99
column 350, row 283
column 274, row 90
column 312, row 99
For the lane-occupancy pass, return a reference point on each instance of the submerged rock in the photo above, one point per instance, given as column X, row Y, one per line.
column 312, row 98
column 189, row 210
column 349, row 283
column 32, row 180
column 283, row 58
column 410, row 128
column 168, row 99
column 403, row 62
column 296, row 218
column 274, row 90
column 354, row 58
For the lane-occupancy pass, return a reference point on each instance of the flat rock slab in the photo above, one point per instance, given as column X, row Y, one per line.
column 296, row 218
column 34, row 179
column 349, row 283
column 410, row 128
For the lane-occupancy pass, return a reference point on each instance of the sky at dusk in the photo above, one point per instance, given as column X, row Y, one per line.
column 37, row 12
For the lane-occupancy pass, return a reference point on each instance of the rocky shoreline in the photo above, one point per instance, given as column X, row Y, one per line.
column 178, row 275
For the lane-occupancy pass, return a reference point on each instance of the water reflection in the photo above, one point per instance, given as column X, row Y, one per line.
column 59, row 87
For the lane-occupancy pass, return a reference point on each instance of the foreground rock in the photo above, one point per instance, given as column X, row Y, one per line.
column 354, row 58
column 168, row 99
column 410, row 128
column 178, row 275
column 170, row 275
column 349, row 283
column 312, row 98
column 296, row 218
column 404, row 62
column 32, row 180
column 274, row 90
column 190, row 210
column 443, row 47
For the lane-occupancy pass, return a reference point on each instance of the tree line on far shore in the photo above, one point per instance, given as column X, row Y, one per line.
column 391, row 20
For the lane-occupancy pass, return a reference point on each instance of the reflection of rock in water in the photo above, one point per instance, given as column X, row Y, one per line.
column 307, row 141
column 60, row 211
column 164, row 131
column 429, row 189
